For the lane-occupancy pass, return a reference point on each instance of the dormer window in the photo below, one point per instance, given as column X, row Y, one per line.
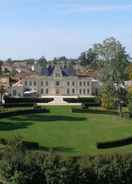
column 57, row 74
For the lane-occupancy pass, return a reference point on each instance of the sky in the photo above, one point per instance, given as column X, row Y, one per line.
column 53, row 28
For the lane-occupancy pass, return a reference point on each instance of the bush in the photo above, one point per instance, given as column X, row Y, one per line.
column 38, row 168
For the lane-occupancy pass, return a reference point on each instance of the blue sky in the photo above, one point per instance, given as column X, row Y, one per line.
column 52, row 28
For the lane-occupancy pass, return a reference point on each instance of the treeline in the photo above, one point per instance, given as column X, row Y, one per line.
column 92, row 57
column 20, row 166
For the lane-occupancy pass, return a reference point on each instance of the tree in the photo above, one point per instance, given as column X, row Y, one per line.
column 113, row 64
column 88, row 58
column 42, row 61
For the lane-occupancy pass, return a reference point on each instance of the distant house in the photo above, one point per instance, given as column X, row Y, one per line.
column 6, row 68
column 128, row 83
column 5, row 81
column 57, row 80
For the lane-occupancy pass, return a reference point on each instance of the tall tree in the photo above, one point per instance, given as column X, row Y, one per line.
column 113, row 63
column 88, row 58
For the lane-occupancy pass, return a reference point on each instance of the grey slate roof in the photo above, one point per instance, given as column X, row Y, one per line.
column 65, row 71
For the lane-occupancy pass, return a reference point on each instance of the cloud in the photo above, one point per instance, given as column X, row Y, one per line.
column 85, row 8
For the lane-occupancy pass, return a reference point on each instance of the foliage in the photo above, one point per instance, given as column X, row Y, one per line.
column 38, row 168
column 113, row 63
column 107, row 97
column 88, row 58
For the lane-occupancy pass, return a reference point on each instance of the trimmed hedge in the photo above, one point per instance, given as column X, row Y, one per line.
column 11, row 100
column 115, row 143
column 71, row 100
column 89, row 101
column 22, row 112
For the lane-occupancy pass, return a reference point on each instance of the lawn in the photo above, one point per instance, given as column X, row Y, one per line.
column 67, row 132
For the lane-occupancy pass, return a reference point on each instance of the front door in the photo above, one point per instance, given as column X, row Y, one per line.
column 57, row 91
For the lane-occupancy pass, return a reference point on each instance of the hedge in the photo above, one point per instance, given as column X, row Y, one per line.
column 12, row 100
column 115, row 143
column 91, row 101
column 22, row 112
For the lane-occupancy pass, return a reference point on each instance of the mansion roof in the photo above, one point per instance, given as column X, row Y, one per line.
column 64, row 71
column 69, row 71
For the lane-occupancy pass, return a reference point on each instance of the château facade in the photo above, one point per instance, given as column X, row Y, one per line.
column 56, row 81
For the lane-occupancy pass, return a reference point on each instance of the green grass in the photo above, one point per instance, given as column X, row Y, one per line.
column 67, row 132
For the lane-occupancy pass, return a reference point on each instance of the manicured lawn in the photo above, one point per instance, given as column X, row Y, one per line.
column 71, row 133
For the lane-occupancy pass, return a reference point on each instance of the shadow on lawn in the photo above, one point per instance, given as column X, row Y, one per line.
column 43, row 118
column 94, row 111
column 7, row 126
column 57, row 149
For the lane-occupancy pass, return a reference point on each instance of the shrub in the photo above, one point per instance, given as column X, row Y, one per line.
column 37, row 168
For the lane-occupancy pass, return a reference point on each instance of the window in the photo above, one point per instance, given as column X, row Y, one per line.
column 84, row 91
column 87, row 91
column 80, row 83
column 73, row 83
column 57, row 91
column 80, row 91
column 30, row 83
column 84, row 83
column 87, row 83
column 35, row 83
column 42, row 83
column 25, row 83
column 57, row 83
column 14, row 92
column 46, row 83
column 68, row 91
column 73, row 91
column 47, row 91
column 42, row 91
column 68, row 83
column 57, row 75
